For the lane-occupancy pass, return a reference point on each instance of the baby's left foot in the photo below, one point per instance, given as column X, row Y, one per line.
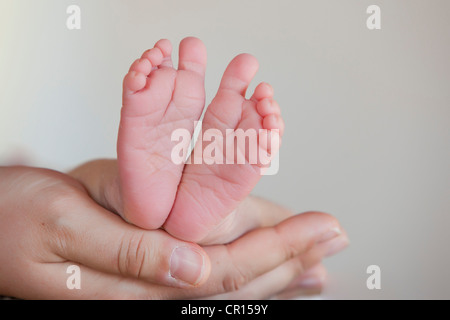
column 209, row 193
column 157, row 99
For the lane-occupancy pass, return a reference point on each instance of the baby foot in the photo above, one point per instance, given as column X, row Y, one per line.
column 209, row 193
column 157, row 99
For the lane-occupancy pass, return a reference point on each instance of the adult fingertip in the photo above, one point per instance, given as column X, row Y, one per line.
column 189, row 266
column 337, row 245
column 315, row 277
column 326, row 226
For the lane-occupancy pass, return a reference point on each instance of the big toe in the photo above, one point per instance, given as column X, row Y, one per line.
column 193, row 56
column 239, row 73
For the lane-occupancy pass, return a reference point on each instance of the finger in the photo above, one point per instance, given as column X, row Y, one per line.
column 266, row 285
column 95, row 284
column 227, row 278
column 313, row 278
column 312, row 281
column 309, row 284
column 92, row 236
column 288, row 277
column 261, row 251
column 264, row 249
column 276, row 280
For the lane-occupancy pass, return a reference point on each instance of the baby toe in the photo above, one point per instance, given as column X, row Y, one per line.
column 271, row 122
column 134, row 81
column 274, row 122
column 141, row 66
column 267, row 107
column 154, row 55
column 166, row 49
column 263, row 91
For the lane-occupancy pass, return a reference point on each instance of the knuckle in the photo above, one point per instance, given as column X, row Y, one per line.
column 299, row 266
column 234, row 282
column 53, row 196
column 238, row 278
column 288, row 246
column 132, row 255
column 62, row 236
column 59, row 224
column 290, row 251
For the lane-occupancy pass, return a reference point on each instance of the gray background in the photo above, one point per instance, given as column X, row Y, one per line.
column 367, row 112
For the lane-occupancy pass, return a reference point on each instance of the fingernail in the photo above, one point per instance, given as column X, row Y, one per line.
column 311, row 282
column 336, row 245
column 186, row 265
column 331, row 234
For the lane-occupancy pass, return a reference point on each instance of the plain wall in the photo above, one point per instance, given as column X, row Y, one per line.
column 367, row 111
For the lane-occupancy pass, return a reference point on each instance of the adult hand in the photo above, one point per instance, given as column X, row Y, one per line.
column 49, row 223
column 101, row 180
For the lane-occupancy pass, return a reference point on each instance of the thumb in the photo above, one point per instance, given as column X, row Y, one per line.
column 92, row 236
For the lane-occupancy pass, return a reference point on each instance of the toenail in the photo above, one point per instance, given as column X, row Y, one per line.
column 187, row 265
